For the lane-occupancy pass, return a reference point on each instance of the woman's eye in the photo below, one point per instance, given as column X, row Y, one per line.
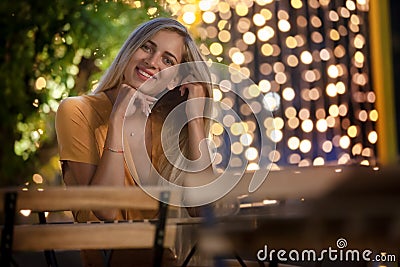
column 146, row 48
column 168, row 62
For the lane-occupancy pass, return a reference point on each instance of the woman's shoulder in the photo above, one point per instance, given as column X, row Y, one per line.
column 83, row 102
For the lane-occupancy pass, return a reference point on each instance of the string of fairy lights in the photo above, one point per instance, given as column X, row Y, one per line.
column 309, row 60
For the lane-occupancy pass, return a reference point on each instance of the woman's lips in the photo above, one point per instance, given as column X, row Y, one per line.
column 143, row 75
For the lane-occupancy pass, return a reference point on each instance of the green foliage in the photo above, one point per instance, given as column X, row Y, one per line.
column 50, row 50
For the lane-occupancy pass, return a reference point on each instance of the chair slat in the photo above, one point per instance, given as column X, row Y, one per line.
column 88, row 236
column 85, row 197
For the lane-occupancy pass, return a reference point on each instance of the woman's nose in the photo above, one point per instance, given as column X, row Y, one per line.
column 153, row 61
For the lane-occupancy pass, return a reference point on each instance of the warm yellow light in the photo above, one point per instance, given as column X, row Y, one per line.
column 305, row 146
column 263, row 2
column 217, row 128
column 251, row 153
column 288, row 94
column 249, row 38
column 316, row 22
column 238, row 58
column 223, row 7
column 267, row 49
column 334, row 35
column 307, row 125
column 324, row 2
column 350, row 5
column 209, row 17
column 238, row 128
column 294, row 158
column 276, row 135
column 359, row 41
column 334, row 110
column 291, row 42
column 356, row 150
column 264, row 86
column 224, row 36
column 265, row 33
column 331, row 90
column 25, row 213
column 253, row 91
column 344, row 142
column 217, row 95
column 366, row 152
column 304, row 114
column 189, row 17
column 322, row 125
column 324, row 54
column 205, row 5
column 327, row 146
column 271, row 101
column 269, row 123
column 216, row 49
column 37, row 178
column 333, row 16
column 314, row 94
column 258, row 19
column 343, row 110
column 352, row 131
column 306, row 57
column 359, row 57
column 296, row 4
column 228, row 120
column 40, row 83
column 284, row 25
column 333, row 71
column 278, row 123
column 317, row 37
column 319, row 161
column 293, row 143
column 341, row 88
column 310, row 76
column 246, row 139
column 363, row 115
column 237, row 148
column 281, row 78
column 373, row 115
column 266, row 13
column 292, row 61
column 290, row 112
column 372, row 137
column 241, row 9
column 293, row 122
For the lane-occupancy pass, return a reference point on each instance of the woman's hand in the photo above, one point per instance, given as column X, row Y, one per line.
column 196, row 97
column 125, row 94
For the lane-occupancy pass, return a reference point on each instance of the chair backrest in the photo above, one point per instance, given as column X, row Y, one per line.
column 95, row 235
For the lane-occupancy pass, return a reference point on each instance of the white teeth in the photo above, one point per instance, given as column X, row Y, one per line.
column 144, row 73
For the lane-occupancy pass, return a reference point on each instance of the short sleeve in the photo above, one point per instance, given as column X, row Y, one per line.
column 75, row 134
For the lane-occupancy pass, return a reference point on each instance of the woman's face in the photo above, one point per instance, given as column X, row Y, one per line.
column 163, row 50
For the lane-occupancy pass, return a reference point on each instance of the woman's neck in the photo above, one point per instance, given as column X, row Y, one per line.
column 112, row 94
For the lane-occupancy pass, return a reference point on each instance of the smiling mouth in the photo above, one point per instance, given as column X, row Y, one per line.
column 145, row 74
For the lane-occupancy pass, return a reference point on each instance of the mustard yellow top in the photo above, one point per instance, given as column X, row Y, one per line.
column 81, row 126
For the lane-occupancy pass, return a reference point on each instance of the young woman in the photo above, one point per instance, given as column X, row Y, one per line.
column 90, row 127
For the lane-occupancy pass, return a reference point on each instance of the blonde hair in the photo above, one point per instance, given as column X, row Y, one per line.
column 114, row 76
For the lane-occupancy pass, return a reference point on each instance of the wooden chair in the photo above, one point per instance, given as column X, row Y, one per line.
column 48, row 237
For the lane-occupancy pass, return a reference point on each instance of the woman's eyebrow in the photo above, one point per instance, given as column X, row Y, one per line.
column 167, row 52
